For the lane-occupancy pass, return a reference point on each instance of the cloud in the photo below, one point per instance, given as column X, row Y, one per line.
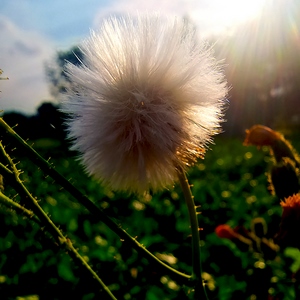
column 23, row 55
column 211, row 17
column 178, row 6
column 200, row 13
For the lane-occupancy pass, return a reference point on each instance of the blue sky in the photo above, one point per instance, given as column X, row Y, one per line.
column 31, row 31
column 56, row 19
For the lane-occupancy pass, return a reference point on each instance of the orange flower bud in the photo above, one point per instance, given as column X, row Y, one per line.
column 288, row 234
column 291, row 205
column 225, row 231
column 260, row 135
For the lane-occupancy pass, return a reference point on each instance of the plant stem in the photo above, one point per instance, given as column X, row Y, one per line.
column 196, row 253
column 12, row 177
column 18, row 208
column 94, row 210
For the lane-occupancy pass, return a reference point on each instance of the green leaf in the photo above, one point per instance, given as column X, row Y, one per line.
column 294, row 254
column 65, row 271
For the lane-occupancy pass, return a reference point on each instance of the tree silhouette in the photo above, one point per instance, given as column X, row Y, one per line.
column 55, row 71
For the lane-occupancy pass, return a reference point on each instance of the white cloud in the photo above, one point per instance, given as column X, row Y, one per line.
column 22, row 58
column 199, row 12
column 177, row 6
column 209, row 16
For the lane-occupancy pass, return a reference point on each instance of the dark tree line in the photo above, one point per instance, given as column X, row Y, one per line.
column 48, row 122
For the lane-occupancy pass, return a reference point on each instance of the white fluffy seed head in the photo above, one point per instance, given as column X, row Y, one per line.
column 146, row 99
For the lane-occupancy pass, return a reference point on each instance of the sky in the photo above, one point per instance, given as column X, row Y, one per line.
column 32, row 31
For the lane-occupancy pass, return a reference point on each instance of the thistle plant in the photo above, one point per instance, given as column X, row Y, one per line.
column 284, row 178
column 284, row 183
column 144, row 103
column 284, row 173
column 142, row 107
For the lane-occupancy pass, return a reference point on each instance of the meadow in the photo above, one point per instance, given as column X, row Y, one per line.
column 230, row 187
column 240, row 217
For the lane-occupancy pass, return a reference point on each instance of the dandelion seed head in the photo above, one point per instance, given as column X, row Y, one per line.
column 147, row 97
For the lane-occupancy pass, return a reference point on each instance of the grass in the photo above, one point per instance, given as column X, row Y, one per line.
column 230, row 187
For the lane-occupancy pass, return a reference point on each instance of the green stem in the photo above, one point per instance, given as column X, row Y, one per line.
column 94, row 210
column 196, row 253
column 14, row 180
column 18, row 208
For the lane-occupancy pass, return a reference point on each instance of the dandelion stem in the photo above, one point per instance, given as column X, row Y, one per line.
column 12, row 177
column 94, row 210
column 189, row 198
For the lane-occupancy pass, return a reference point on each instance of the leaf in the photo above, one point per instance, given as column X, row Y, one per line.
column 294, row 254
column 64, row 269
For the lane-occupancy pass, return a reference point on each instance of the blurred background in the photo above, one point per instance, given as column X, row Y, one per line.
column 259, row 45
column 258, row 41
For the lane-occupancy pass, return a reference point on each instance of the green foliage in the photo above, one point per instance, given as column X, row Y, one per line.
column 229, row 186
column 294, row 254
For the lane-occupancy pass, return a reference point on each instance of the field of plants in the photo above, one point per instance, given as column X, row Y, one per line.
column 230, row 187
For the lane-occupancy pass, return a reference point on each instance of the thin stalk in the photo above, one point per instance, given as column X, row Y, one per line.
column 196, row 253
column 12, row 177
column 93, row 209
column 17, row 207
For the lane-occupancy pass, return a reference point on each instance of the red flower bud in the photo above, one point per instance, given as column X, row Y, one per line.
column 225, row 231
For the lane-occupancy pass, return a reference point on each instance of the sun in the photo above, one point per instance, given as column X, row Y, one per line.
column 236, row 11
column 240, row 10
